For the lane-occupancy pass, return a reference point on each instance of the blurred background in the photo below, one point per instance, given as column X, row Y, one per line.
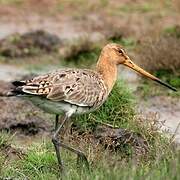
column 37, row 36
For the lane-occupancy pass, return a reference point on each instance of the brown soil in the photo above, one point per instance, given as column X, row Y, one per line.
column 19, row 115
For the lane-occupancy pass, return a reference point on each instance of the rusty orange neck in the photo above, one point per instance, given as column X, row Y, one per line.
column 108, row 70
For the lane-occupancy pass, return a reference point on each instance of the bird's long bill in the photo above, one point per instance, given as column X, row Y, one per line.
column 135, row 67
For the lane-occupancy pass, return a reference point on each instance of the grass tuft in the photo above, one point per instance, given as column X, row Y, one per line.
column 118, row 110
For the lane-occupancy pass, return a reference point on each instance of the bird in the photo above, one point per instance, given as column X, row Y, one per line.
column 76, row 91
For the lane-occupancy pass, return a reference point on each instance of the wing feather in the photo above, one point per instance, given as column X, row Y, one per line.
column 80, row 87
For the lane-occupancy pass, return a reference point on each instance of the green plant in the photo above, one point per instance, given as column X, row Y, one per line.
column 118, row 110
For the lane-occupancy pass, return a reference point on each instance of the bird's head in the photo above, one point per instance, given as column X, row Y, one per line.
column 117, row 55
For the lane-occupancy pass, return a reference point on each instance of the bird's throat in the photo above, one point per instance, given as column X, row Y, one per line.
column 108, row 70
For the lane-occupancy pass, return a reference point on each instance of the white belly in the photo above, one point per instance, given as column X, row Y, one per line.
column 53, row 107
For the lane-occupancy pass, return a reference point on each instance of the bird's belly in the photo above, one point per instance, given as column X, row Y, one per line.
column 53, row 107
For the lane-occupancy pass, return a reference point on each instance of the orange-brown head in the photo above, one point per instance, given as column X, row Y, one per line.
column 113, row 55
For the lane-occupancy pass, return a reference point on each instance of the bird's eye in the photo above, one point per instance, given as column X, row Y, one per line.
column 120, row 51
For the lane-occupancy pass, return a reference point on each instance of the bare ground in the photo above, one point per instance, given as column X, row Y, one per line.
column 167, row 112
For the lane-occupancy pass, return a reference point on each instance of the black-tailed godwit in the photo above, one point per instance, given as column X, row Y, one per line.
column 73, row 91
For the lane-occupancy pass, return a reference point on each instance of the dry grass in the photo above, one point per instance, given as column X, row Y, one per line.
column 73, row 49
column 161, row 53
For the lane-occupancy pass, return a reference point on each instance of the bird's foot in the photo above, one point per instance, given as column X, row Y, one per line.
column 82, row 160
column 57, row 149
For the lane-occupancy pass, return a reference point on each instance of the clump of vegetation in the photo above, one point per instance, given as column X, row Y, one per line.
column 173, row 31
column 161, row 53
column 118, row 110
column 169, row 77
column 28, row 44
column 5, row 140
column 117, row 35
column 73, row 50
column 82, row 53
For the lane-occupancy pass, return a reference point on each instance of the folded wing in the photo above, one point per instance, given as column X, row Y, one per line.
column 79, row 87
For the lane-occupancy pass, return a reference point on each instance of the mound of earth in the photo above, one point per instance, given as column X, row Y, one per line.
column 28, row 44
column 17, row 114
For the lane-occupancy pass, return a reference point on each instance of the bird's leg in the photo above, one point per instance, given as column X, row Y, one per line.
column 80, row 155
column 57, row 144
column 65, row 127
column 55, row 139
column 56, row 121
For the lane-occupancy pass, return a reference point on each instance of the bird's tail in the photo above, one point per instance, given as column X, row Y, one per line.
column 13, row 89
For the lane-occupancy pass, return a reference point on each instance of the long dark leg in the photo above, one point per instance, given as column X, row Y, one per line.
column 58, row 144
column 80, row 155
column 55, row 139
column 56, row 121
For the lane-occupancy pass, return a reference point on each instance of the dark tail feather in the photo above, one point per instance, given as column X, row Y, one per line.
column 15, row 92
column 18, row 83
column 16, row 89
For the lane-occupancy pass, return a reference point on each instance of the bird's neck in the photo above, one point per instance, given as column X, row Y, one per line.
column 108, row 70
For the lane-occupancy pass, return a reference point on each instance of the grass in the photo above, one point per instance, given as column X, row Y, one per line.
column 160, row 161
column 140, row 8
column 117, row 111
column 173, row 31
column 40, row 166
column 81, row 53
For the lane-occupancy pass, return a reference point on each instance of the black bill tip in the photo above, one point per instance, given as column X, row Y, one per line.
column 165, row 84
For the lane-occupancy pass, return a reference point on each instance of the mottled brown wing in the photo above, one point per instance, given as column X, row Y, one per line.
column 80, row 87
column 40, row 85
